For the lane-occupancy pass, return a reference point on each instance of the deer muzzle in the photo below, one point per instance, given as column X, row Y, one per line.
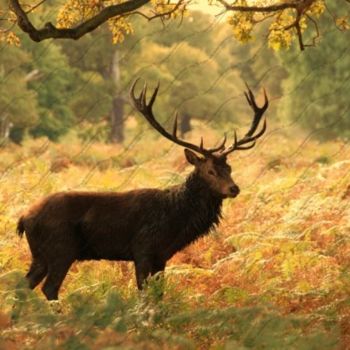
column 233, row 191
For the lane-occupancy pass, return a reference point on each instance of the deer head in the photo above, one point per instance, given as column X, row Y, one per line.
column 211, row 163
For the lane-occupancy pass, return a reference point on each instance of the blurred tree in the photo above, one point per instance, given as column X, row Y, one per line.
column 196, row 29
column 52, row 85
column 317, row 90
column 191, row 82
column 105, row 95
column 18, row 103
column 85, row 82
column 258, row 66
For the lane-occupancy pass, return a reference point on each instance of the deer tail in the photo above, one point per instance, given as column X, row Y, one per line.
column 20, row 226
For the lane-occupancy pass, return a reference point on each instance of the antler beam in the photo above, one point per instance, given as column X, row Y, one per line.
column 247, row 142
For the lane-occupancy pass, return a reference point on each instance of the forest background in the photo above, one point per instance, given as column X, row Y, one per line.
column 275, row 274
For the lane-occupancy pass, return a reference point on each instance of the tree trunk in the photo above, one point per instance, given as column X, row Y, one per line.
column 5, row 128
column 117, row 121
column 185, row 124
column 117, row 113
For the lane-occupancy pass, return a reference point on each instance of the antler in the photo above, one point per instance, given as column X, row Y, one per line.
column 249, row 137
column 146, row 109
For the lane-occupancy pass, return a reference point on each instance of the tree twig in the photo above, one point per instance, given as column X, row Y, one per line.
column 164, row 14
column 300, row 36
column 269, row 8
column 314, row 39
column 35, row 6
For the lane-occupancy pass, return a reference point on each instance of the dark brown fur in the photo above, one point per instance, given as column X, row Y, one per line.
column 146, row 226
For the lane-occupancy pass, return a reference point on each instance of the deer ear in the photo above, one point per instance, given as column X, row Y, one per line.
column 192, row 157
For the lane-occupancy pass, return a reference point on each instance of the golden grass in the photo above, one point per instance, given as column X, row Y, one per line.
column 283, row 242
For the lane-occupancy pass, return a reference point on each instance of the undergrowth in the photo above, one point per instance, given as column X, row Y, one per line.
column 274, row 275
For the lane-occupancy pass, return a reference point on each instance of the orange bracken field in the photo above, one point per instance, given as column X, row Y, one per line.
column 274, row 274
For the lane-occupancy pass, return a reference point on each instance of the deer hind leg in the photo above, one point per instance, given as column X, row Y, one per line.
column 158, row 266
column 57, row 271
column 36, row 273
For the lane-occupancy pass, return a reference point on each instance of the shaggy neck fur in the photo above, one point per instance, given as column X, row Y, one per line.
column 196, row 208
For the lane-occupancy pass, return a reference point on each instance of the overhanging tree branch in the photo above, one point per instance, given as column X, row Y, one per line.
column 50, row 31
column 300, row 7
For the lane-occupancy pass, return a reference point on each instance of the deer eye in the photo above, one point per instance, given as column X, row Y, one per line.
column 211, row 172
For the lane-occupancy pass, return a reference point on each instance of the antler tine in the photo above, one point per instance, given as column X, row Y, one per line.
column 220, row 147
column 242, row 148
column 201, row 144
column 132, row 90
column 249, row 96
column 258, row 111
column 249, row 138
column 232, row 147
column 154, row 95
column 175, row 125
column 262, row 131
column 222, row 144
column 143, row 95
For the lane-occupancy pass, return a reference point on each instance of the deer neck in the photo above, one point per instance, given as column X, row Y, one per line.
column 200, row 195
column 194, row 210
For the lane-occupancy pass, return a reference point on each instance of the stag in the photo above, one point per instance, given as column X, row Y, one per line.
column 146, row 226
